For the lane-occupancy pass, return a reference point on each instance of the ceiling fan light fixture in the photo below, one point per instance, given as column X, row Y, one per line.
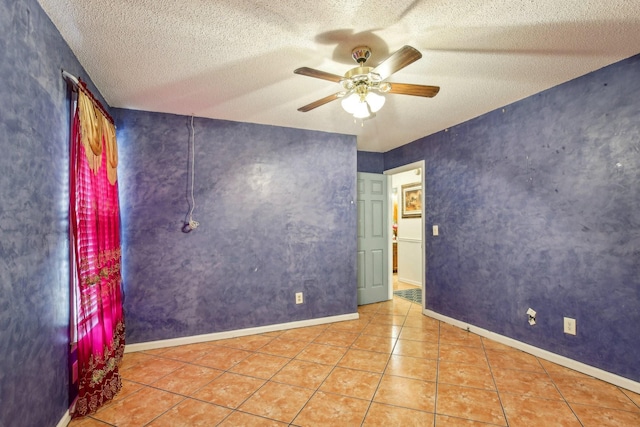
column 362, row 105
column 350, row 102
column 363, row 111
column 375, row 101
column 347, row 84
column 374, row 77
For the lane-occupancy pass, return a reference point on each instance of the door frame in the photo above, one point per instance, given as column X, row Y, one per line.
column 415, row 165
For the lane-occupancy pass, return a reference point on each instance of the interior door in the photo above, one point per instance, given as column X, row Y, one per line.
column 373, row 263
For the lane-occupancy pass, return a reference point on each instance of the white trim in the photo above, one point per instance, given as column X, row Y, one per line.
column 151, row 345
column 409, row 281
column 390, row 241
column 404, row 168
column 623, row 382
column 420, row 164
column 65, row 420
column 408, row 240
column 409, row 245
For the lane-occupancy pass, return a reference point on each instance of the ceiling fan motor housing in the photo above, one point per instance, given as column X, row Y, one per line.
column 357, row 71
column 360, row 54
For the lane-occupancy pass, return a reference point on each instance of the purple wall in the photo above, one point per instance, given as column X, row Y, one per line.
column 34, row 268
column 370, row 162
column 276, row 214
column 539, row 206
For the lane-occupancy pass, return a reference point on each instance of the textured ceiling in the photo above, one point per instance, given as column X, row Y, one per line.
column 234, row 59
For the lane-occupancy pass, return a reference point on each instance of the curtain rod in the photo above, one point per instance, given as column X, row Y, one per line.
column 70, row 77
column 82, row 86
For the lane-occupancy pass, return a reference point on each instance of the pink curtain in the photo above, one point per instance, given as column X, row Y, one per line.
column 95, row 225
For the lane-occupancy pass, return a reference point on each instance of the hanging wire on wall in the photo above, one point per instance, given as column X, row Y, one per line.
column 192, row 224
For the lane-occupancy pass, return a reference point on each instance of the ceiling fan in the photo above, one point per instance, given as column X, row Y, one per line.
column 363, row 85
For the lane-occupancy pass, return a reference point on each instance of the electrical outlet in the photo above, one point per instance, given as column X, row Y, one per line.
column 299, row 298
column 569, row 326
column 532, row 316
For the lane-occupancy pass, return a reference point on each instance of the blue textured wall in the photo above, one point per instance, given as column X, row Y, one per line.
column 34, row 270
column 370, row 162
column 276, row 217
column 539, row 206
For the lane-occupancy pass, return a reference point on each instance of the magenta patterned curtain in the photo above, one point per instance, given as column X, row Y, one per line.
column 95, row 225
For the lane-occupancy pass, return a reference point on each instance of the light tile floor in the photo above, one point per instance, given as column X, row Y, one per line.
column 392, row 367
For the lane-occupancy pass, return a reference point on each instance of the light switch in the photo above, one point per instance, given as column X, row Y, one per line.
column 435, row 230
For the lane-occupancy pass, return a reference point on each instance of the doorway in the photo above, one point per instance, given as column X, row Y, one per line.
column 407, row 220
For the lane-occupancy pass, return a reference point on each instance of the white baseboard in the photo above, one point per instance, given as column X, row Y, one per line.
column 623, row 382
column 409, row 281
column 65, row 420
column 151, row 345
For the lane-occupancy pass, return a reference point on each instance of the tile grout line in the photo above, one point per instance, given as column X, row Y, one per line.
column 151, row 387
column 256, row 351
column 435, row 397
column 385, row 366
column 495, row 384
column 568, row 403
column 381, row 313
column 366, row 412
column 334, row 366
column 317, row 389
column 628, row 397
column 226, row 371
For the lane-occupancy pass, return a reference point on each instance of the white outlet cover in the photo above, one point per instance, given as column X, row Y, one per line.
column 569, row 326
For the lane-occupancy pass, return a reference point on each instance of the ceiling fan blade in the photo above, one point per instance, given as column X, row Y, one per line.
column 415, row 90
column 397, row 61
column 320, row 102
column 306, row 71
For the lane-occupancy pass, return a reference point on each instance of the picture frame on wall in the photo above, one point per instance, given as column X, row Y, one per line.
column 412, row 200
